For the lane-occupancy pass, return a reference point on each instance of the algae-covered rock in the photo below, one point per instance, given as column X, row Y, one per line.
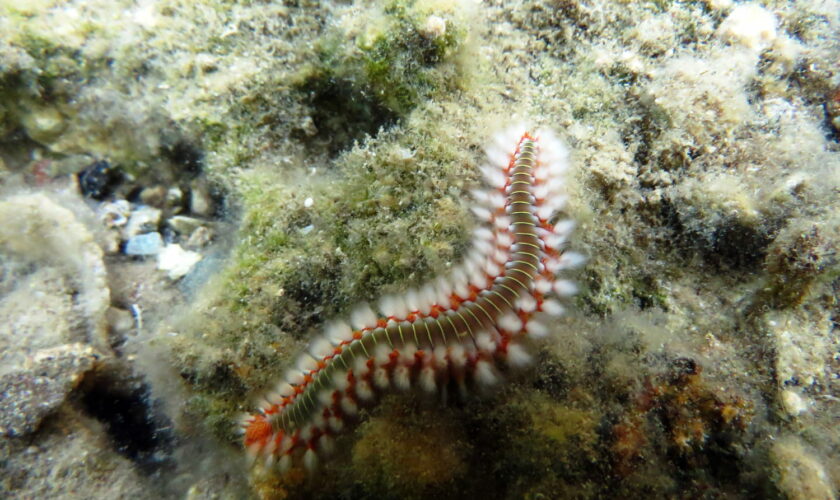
column 40, row 231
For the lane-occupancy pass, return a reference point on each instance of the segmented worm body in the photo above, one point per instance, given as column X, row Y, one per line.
column 457, row 329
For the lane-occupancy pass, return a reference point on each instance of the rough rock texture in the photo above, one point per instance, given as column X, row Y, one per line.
column 30, row 394
column 38, row 230
column 71, row 458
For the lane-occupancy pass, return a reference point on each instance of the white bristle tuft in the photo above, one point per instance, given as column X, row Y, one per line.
column 336, row 424
column 542, row 285
column 483, row 247
column 439, row 358
column 363, row 390
column 338, row 332
column 504, row 240
column 360, row 365
column 553, row 265
column 412, row 299
column 536, row 328
column 545, row 211
column 348, row 406
column 251, row 453
column 482, row 234
column 497, row 155
column 527, row 303
column 274, row 398
column 320, row 348
column 492, row 269
column 388, row 306
column 271, row 446
column 480, row 196
column 553, row 307
column 285, row 444
column 408, row 351
column 443, row 290
column 306, row 363
column 510, row 322
column 402, row 378
column 460, row 282
column 427, row 379
column 243, row 420
column 485, row 374
column 380, row 378
column 363, row 317
column 306, row 433
column 572, row 260
column 326, row 444
column 502, row 223
column 493, row 176
column 325, row 397
column 517, row 356
column 294, row 377
column 284, row 389
column 427, row 299
column 564, row 227
column 457, row 356
column 310, row 460
column 482, row 213
column 479, row 279
column 565, row 288
column 555, row 241
column 381, row 354
column 285, row 463
column 500, row 256
column 496, row 200
column 485, row 342
column 339, row 380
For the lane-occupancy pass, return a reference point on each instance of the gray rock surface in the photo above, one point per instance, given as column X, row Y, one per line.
column 30, row 394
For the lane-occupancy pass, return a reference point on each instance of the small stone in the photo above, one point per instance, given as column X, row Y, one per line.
column 114, row 214
column 184, row 225
column 200, row 237
column 144, row 244
column 793, row 403
column 99, row 179
column 120, row 321
column 154, row 196
column 307, row 203
column 176, row 261
column 201, row 203
column 174, row 197
column 143, row 219
column 30, row 394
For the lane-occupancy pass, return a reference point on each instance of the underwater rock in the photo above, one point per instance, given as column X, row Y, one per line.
column 144, row 219
column 99, row 179
column 176, row 261
column 39, row 231
column 801, row 476
column 144, row 244
column 30, row 394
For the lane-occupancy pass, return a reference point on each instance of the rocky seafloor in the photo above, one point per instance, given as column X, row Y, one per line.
column 189, row 190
